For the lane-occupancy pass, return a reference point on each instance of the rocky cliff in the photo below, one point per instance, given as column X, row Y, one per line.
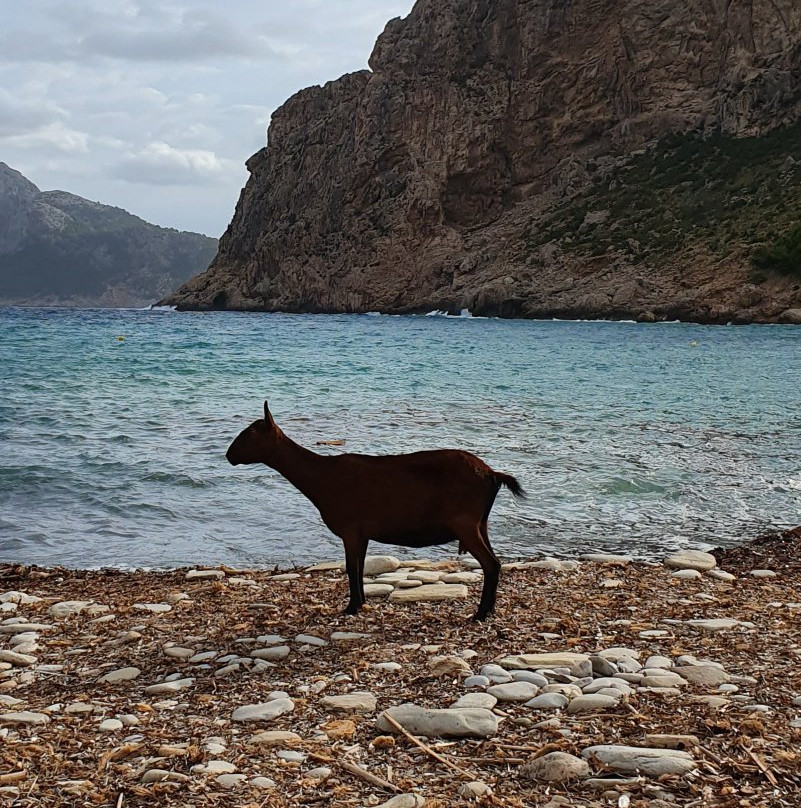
column 58, row 248
column 501, row 155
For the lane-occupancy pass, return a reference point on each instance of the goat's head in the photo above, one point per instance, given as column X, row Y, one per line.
column 255, row 443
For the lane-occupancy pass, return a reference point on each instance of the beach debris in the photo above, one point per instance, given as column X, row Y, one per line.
column 703, row 670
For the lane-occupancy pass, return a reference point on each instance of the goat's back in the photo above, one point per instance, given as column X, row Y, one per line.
column 382, row 494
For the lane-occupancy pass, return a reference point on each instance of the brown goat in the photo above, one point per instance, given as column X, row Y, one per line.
column 411, row 500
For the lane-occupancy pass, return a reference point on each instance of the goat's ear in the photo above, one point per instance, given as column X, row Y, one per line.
column 268, row 418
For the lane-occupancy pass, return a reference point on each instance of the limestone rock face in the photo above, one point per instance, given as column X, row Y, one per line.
column 419, row 184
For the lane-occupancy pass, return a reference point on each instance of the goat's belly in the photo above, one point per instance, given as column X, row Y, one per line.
column 416, row 538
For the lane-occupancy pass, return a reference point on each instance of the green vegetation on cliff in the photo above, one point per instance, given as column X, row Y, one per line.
column 721, row 194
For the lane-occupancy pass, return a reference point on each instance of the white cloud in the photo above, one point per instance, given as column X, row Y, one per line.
column 54, row 135
column 20, row 116
column 160, row 163
column 155, row 105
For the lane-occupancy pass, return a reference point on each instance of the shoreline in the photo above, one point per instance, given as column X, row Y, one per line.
column 631, row 317
column 206, row 686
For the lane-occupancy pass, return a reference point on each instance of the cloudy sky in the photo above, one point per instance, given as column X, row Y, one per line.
column 154, row 105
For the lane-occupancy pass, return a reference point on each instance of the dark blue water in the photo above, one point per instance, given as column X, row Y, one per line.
column 636, row 438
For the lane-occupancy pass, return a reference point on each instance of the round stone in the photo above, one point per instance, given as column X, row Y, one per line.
column 691, row 560
column 556, row 767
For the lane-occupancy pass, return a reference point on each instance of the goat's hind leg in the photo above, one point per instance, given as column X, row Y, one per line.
column 479, row 547
column 355, row 551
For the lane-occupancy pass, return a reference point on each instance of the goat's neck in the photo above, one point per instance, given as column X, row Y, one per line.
column 302, row 467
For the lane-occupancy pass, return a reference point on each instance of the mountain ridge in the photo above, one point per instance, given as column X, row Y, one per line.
column 57, row 248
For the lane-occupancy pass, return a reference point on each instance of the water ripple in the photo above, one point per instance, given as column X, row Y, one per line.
column 627, row 437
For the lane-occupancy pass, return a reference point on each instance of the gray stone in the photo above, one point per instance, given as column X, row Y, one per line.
column 348, row 636
column 262, row 782
column 320, row 774
column 272, row 653
column 169, row 687
column 691, row 560
column 265, row 711
column 548, row 701
column 391, row 667
column 266, row 639
column 668, row 679
column 474, row 790
column 310, row 639
column 618, row 652
column 529, row 676
column 24, row 717
column 606, row 558
column 607, row 682
column 463, row 723
column 703, row 674
column 449, row 666
column 357, row 702
column 154, row 608
column 121, row 675
column 111, row 725
column 276, row 737
column 204, row 574
column 462, row 578
column 17, row 659
column 404, row 801
column 375, row 565
column 290, row 755
column 514, row 691
column 155, row 776
column 640, row 760
column 476, row 681
column 496, row 674
column 602, row 666
column 482, row 700
column 554, row 565
column 203, row 656
column 17, row 628
column 230, row 780
column 686, row 574
column 426, row 576
column 658, row 662
column 378, row 590
column 327, row 566
column 537, row 661
column 763, row 573
column 556, row 767
column 592, row 703
column 176, row 652
column 430, row 592
column 658, row 741
column 721, row 575
column 68, row 607
column 570, row 691
column 715, row 624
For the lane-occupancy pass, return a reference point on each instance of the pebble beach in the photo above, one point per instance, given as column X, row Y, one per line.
column 599, row 681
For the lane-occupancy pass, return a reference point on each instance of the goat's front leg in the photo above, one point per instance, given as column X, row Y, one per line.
column 355, row 551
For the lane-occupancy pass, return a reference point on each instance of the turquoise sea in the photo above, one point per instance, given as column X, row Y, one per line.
column 633, row 438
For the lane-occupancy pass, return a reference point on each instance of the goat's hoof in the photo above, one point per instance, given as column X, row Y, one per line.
column 350, row 610
column 479, row 618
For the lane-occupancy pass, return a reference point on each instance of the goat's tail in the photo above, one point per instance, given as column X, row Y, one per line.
column 511, row 483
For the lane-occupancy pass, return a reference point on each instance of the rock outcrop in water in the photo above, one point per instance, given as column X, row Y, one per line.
column 536, row 158
column 58, row 248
